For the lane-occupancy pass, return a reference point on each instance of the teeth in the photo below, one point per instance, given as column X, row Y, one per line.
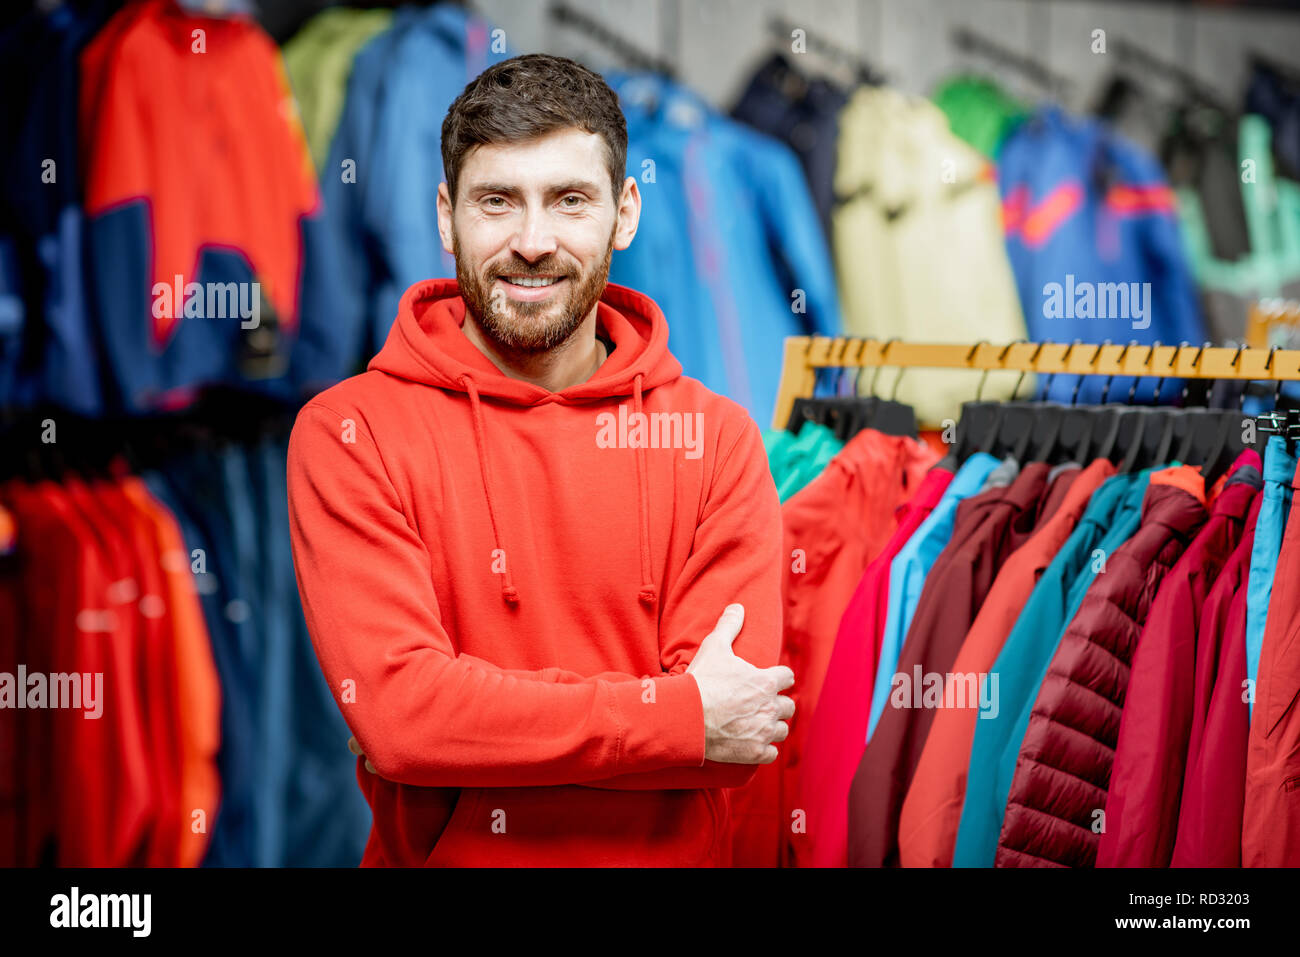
column 531, row 281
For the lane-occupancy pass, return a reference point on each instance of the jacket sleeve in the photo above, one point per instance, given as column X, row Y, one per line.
column 424, row 715
column 737, row 557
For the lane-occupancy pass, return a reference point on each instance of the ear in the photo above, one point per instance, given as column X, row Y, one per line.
column 444, row 218
column 629, row 214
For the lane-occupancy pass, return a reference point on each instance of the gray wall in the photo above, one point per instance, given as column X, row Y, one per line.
column 716, row 43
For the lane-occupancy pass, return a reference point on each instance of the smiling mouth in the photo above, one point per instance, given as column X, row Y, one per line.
column 531, row 282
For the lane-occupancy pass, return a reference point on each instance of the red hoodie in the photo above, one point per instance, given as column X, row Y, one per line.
column 504, row 605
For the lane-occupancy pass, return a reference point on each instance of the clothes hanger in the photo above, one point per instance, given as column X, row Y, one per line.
column 1072, row 420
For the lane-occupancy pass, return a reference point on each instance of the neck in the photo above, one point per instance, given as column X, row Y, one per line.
column 571, row 362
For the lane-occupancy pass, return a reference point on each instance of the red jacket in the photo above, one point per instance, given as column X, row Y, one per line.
column 1150, row 757
column 1270, row 832
column 1209, row 813
column 834, row 527
column 1059, row 784
column 838, row 730
column 505, row 586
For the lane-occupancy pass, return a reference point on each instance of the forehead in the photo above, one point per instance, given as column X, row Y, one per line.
column 559, row 157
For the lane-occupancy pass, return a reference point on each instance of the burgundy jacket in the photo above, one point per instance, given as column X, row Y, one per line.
column 989, row 527
column 1151, row 756
column 1063, row 768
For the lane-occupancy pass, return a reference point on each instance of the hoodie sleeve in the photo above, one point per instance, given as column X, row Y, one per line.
column 424, row 715
column 737, row 557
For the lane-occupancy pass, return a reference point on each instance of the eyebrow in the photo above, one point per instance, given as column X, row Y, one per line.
column 574, row 186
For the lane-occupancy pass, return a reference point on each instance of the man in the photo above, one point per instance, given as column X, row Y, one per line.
column 514, row 532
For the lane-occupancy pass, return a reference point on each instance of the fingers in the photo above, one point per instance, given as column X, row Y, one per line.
column 355, row 747
column 729, row 624
column 784, row 676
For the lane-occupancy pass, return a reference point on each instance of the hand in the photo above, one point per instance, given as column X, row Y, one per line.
column 744, row 711
column 355, row 747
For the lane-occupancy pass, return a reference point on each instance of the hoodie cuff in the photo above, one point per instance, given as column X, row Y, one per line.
column 663, row 730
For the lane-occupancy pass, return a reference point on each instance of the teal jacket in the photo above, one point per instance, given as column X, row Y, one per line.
column 1113, row 514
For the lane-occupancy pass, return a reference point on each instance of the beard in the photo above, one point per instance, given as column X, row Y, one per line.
column 528, row 328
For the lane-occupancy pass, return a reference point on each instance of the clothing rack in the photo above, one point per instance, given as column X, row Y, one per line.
column 804, row 355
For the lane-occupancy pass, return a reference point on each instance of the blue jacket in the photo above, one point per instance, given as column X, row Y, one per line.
column 1279, row 469
column 380, row 234
column 1112, row 515
column 1083, row 207
column 48, row 352
column 728, row 234
column 910, row 566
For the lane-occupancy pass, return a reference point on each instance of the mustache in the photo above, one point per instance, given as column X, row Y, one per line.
column 546, row 267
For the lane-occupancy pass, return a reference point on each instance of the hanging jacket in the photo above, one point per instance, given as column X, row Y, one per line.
column 48, row 348
column 1279, row 469
column 803, row 112
column 904, row 182
column 1112, row 515
column 796, row 460
column 995, row 524
column 1084, row 210
column 833, row 529
column 195, row 172
column 379, row 186
column 1213, row 791
column 319, row 60
column 490, row 682
column 932, row 806
column 1150, row 757
column 1058, row 792
column 728, row 243
column 913, row 563
column 1270, row 835
column 839, row 725
column 979, row 111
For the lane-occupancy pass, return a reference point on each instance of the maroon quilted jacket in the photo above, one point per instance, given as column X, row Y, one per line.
column 1063, row 769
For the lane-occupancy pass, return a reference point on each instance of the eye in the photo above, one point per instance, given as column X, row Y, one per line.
column 576, row 201
column 495, row 202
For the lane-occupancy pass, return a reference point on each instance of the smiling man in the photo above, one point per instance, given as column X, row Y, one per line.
column 518, row 620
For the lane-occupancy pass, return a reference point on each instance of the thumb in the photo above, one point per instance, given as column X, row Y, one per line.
column 728, row 626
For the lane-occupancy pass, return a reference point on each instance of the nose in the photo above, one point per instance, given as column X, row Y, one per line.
column 535, row 238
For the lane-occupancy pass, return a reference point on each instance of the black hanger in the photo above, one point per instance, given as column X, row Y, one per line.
column 1069, row 420
column 629, row 53
column 968, row 41
column 1145, row 64
column 889, row 415
column 863, row 72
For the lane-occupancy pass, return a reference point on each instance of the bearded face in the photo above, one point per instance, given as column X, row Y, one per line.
column 526, row 308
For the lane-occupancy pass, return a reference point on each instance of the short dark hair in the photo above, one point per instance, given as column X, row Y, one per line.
column 528, row 96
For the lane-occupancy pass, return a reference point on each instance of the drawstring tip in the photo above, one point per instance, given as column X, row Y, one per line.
column 647, row 595
column 510, row 594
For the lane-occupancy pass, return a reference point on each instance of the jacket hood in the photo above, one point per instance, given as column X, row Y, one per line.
column 427, row 345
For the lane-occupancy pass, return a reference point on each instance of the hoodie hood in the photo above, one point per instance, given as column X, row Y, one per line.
column 427, row 345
